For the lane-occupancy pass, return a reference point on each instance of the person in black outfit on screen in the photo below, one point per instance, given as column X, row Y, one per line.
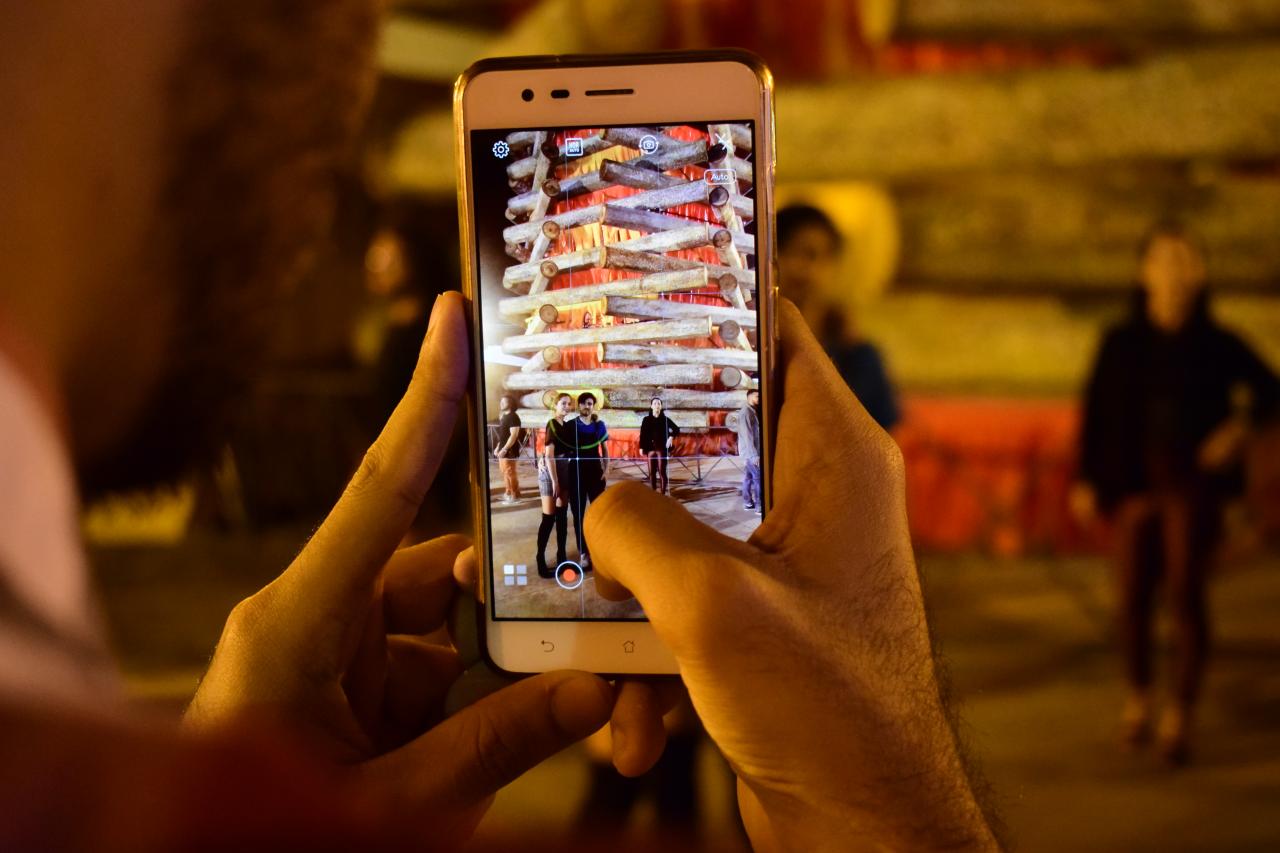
column 656, row 432
column 590, row 466
column 1168, row 408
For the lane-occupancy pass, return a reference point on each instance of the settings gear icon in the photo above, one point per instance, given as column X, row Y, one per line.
column 501, row 149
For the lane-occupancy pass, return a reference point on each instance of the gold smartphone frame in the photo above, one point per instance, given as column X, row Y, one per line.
column 734, row 84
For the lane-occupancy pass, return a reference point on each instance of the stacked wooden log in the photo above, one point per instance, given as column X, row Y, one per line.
column 634, row 271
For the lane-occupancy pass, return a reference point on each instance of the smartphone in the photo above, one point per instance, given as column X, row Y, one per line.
column 616, row 214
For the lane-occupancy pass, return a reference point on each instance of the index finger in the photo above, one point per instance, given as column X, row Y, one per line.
column 382, row 499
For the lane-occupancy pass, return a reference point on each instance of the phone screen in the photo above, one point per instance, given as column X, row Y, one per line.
column 617, row 303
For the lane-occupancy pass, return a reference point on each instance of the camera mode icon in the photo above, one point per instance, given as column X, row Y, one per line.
column 573, row 146
column 648, row 143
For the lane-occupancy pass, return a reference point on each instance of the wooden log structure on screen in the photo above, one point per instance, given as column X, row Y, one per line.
column 641, row 396
column 634, row 272
column 617, row 419
column 620, row 377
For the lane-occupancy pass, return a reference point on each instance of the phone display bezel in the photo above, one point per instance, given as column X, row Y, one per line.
column 665, row 89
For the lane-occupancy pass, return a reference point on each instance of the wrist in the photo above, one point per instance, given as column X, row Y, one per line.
column 880, row 822
column 901, row 784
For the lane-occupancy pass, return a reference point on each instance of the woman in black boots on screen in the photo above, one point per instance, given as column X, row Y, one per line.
column 552, row 469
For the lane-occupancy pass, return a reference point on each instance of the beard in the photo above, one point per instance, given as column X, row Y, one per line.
column 263, row 110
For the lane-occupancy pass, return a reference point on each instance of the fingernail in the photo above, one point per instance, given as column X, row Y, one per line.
column 435, row 312
column 581, row 704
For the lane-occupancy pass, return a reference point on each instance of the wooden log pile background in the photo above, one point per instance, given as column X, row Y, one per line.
column 633, row 274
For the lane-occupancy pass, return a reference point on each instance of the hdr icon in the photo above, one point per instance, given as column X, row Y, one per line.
column 515, row 575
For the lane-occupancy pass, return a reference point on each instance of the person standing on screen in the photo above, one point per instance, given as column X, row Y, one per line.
column 553, row 470
column 508, row 454
column 656, row 432
column 1169, row 406
column 809, row 247
column 590, row 465
column 748, row 429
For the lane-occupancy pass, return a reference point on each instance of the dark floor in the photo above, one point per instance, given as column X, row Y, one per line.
column 1028, row 646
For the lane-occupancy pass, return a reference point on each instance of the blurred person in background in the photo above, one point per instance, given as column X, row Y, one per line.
column 402, row 276
column 1169, row 406
column 411, row 259
column 809, row 248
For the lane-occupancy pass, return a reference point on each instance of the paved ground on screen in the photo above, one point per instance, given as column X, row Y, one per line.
column 716, row 501
column 1028, row 643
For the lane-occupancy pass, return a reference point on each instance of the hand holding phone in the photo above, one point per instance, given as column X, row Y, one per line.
column 805, row 650
column 343, row 649
column 617, row 241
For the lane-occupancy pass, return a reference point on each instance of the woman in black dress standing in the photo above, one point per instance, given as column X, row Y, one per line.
column 656, row 432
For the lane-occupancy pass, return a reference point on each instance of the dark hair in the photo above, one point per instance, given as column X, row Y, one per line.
column 585, row 396
column 655, row 397
column 796, row 217
column 561, row 396
column 1170, row 229
column 751, row 391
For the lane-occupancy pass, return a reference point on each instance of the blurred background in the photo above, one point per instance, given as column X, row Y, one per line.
column 991, row 167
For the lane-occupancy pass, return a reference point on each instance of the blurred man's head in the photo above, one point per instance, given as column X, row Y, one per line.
column 505, row 404
column 386, row 265
column 808, row 251
column 1172, row 274
column 179, row 160
column 586, row 404
column 753, row 397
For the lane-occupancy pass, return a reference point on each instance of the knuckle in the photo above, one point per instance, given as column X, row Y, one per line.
column 245, row 624
column 369, row 472
column 243, row 618
column 497, row 753
column 376, row 476
column 891, row 454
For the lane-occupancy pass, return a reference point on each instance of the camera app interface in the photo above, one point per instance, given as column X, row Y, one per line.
column 617, row 297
